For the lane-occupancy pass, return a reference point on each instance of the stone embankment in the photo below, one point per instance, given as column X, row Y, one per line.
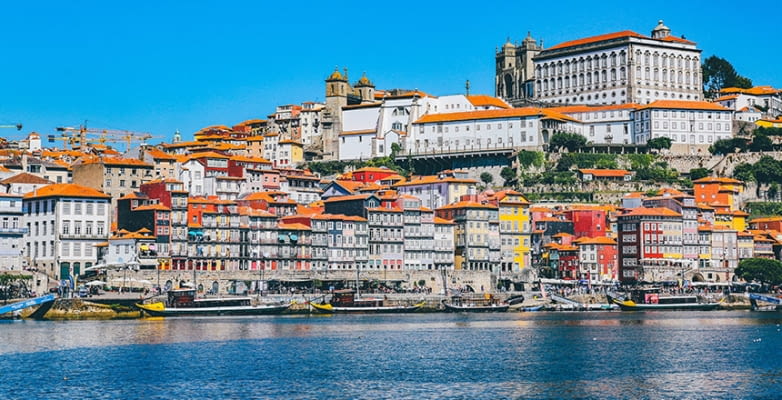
column 76, row 309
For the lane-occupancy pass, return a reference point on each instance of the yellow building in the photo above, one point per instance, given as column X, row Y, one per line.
column 769, row 123
column 514, row 230
column 290, row 153
column 477, row 246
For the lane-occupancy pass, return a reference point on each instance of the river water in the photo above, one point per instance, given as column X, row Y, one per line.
column 718, row 354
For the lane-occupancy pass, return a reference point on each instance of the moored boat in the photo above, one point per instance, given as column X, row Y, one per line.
column 487, row 303
column 182, row 302
column 651, row 300
column 770, row 303
column 346, row 301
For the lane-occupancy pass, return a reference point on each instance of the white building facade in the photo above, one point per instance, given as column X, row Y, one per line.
column 620, row 67
column 12, row 232
column 692, row 126
column 65, row 223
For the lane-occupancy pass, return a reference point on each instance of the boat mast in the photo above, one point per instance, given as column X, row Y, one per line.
column 357, row 270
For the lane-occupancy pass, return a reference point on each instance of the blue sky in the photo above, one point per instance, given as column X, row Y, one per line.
column 159, row 66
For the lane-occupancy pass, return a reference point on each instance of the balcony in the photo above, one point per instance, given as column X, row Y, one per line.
column 13, row 231
column 82, row 236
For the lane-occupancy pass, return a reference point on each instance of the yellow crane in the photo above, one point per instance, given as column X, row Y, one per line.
column 82, row 135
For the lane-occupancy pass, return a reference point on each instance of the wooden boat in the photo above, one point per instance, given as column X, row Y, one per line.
column 652, row 301
column 487, row 303
column 182, row 302
column 531, row 309
column 346, row 301
column 769, row 303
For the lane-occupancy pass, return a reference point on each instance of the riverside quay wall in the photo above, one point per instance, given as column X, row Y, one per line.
column 224, row 282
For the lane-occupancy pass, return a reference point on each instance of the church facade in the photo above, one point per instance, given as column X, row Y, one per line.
column 615, row 68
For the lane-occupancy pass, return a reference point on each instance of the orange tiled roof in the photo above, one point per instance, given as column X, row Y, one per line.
column 596, row 240
column 653, row 212
column 756, row 91
column 119, row 161
column 671, row 38
column 605, row 172
column 358, row 132
column 480, row 100
column 467, row 204
column 494, row 114
column 294, row 227
column 710, row 179
column 340, row 217
column 685, row 105
column 25, row 178
column 766, row 219
column 66, row 190
column 158, row 207
column 598, row 38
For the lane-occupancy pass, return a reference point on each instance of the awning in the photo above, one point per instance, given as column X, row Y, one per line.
column 144, row 247
column 282, row 237
column 294, row 237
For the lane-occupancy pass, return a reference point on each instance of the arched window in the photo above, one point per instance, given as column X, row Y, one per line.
column 647, row 73
column 656, row 59
column 581, row 79
column 605, row 76
column 589, row 78
column 613, row 74
column 665, row 76
column 681, row 79
column 508, row 86
column 613, row 59
column 656, row 74
column 622, row 73
column 646, row 58
column 597, row 77
column 567, row 82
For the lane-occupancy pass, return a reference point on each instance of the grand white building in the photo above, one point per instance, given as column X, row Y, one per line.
column 370, row 129
column 692, row 126
column 614, row 68
column 64, row 222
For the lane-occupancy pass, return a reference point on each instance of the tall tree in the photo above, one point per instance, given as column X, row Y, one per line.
column 659, row 143
column 760, row 269
column 718, row 74
column 487, row 178
column 570, row 141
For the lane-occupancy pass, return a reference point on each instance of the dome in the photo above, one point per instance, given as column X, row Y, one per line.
column 335, row 76
column 661, row 26
column 364, row 81
column 508, row 45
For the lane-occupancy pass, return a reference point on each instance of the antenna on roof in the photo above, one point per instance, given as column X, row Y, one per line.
column 467, row 87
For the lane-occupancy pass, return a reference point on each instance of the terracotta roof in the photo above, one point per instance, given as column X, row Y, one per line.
column 481, row 100
column 294, row 227
column 652, row 212
column 385, row 209
column 158, row 207
column 25, row 178
column 358, row 132
column 598, row 38
column 66, row 190
column 442, row 221
column 605, row 172
column 375, row 169
column 493, row 114
column 684, row 105
column 756, row 91
column 561, row 247
column 467, row 204
column 739, row 213
column 671, row 38
column 728, row 97
column 710, row 179
column 351, row 186
column 290, row 141
column 596, row 240
column 562, row 235
column 134, row 195
column 766, row 219
column 160, row 155
column 119, row 161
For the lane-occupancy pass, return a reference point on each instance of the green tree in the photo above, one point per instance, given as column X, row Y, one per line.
column 698, row 173
column 531, row 158
column 487, row 178
column 509, row 175
column 761, row 270
column 659, row 143
column 773, row 191
column 761, row 142
column 767, row 170
column 744, row 172
column 718, row 74
column 569, row 141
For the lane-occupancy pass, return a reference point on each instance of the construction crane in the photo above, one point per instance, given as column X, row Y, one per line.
column 78, row 137
column 17, row 126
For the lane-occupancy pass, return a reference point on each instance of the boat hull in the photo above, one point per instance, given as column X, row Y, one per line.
column 476, row 308
column 627, row 305
column 160, row 310
column 329, row 309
